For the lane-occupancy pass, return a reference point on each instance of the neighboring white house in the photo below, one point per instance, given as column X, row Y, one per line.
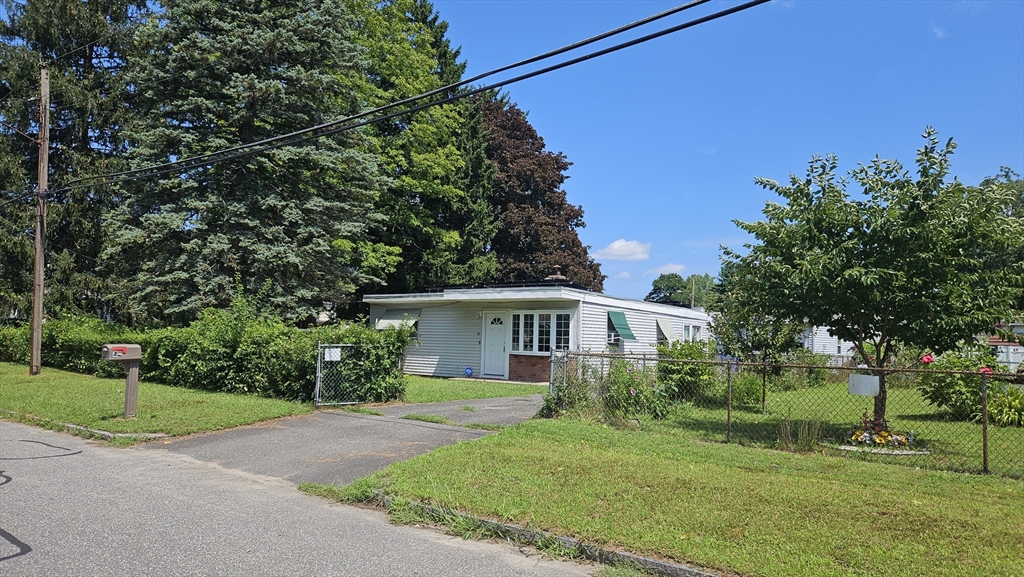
column 1010, row 354
column 508, row 332
column 817, row 340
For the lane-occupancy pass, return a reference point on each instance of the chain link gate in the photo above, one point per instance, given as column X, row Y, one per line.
column 332, row 386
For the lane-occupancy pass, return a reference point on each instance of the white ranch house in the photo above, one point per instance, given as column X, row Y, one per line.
column 508, row 332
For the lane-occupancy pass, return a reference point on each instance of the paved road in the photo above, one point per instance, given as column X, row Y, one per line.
column 72, row 507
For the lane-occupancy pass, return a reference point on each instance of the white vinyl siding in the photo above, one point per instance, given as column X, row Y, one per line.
column 643, row 323
column 448, row 341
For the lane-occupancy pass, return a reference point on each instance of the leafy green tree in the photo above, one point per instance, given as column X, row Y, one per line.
column 432, row 205
column 673, row 289
column 743, row 328
column 84, row 45
column 926, row 262
column 537, row 226
column 208, row 76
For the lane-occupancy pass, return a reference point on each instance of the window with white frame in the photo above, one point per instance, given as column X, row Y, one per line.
column 540, row 331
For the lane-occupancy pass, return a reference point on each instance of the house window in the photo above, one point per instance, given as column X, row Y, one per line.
column 544, row 332
column 540, row 331
column 686, row 333
column 562, row 331
column 618, row 327
column 528, row 336
column 515, row 332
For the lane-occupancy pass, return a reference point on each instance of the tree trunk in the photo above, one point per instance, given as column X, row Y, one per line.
column 880, row 399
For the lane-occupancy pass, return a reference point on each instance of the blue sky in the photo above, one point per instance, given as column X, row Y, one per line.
column 667, row 137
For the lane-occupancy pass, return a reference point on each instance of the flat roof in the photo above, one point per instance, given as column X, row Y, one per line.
column 529, row 293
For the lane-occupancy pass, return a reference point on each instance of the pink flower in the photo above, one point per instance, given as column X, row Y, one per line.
column 927, row 359
column 632, row 392
column 629, row 369
column 985, row 371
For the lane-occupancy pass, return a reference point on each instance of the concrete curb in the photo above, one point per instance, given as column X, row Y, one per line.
column 542, row 538
column 97, row 432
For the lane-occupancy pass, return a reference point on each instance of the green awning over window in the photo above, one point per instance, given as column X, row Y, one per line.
column 618, row 320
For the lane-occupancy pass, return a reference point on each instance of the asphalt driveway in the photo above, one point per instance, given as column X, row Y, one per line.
column 74, row 507
column 338, row 447
column 498, row 411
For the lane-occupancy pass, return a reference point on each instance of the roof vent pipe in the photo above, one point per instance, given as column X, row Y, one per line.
column 557, row 275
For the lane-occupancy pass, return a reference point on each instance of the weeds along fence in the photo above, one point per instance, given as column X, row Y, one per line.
column 956, row 420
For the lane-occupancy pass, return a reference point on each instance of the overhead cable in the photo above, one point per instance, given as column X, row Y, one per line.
column 361, row 119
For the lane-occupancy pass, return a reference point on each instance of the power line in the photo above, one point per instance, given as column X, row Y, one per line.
column 25, row 195
column 444, row 89
column 356, row 121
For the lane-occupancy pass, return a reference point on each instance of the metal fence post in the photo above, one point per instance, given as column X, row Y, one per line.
column 984, row 422
column 764, row 387
column 728, row 402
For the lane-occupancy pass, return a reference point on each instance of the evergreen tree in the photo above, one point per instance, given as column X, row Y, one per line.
column 290, row 223
column 84, row 46
column 537, row 226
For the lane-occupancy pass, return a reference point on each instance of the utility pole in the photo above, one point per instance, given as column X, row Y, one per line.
column 36, row 358
column 693, row 290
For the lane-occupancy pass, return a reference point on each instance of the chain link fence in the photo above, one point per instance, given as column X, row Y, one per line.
column 956, row 420
column 347, row 374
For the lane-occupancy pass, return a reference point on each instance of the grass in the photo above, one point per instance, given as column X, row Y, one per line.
column 361, row 410
column 659, row 491
column 427, row 419
column 57, row 397
column 446, row 421
column 435, row 390
column 952, row 444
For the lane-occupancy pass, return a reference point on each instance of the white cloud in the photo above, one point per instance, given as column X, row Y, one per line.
column 623, row 274
column 939, row 32
column 666, row 269
column 623, row 249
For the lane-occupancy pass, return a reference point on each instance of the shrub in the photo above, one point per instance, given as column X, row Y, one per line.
column 231, row 350
column 746, row 389
column 958, row 394
column 632, row 391
column 1006, row 406
column 14, row 344
column 73, row 343
column 573, row 393
column 685, row 381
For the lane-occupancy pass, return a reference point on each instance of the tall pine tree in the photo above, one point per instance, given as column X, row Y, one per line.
column 84, row 45
column 291, row 223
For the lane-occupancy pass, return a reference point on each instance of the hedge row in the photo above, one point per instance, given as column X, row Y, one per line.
column 229, row 350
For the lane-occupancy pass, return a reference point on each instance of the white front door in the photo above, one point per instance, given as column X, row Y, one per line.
column 494, row 344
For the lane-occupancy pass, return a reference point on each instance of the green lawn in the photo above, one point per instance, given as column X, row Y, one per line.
column 952, row 444
column 660, row 491
column 63, row 397
column 434, row 390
